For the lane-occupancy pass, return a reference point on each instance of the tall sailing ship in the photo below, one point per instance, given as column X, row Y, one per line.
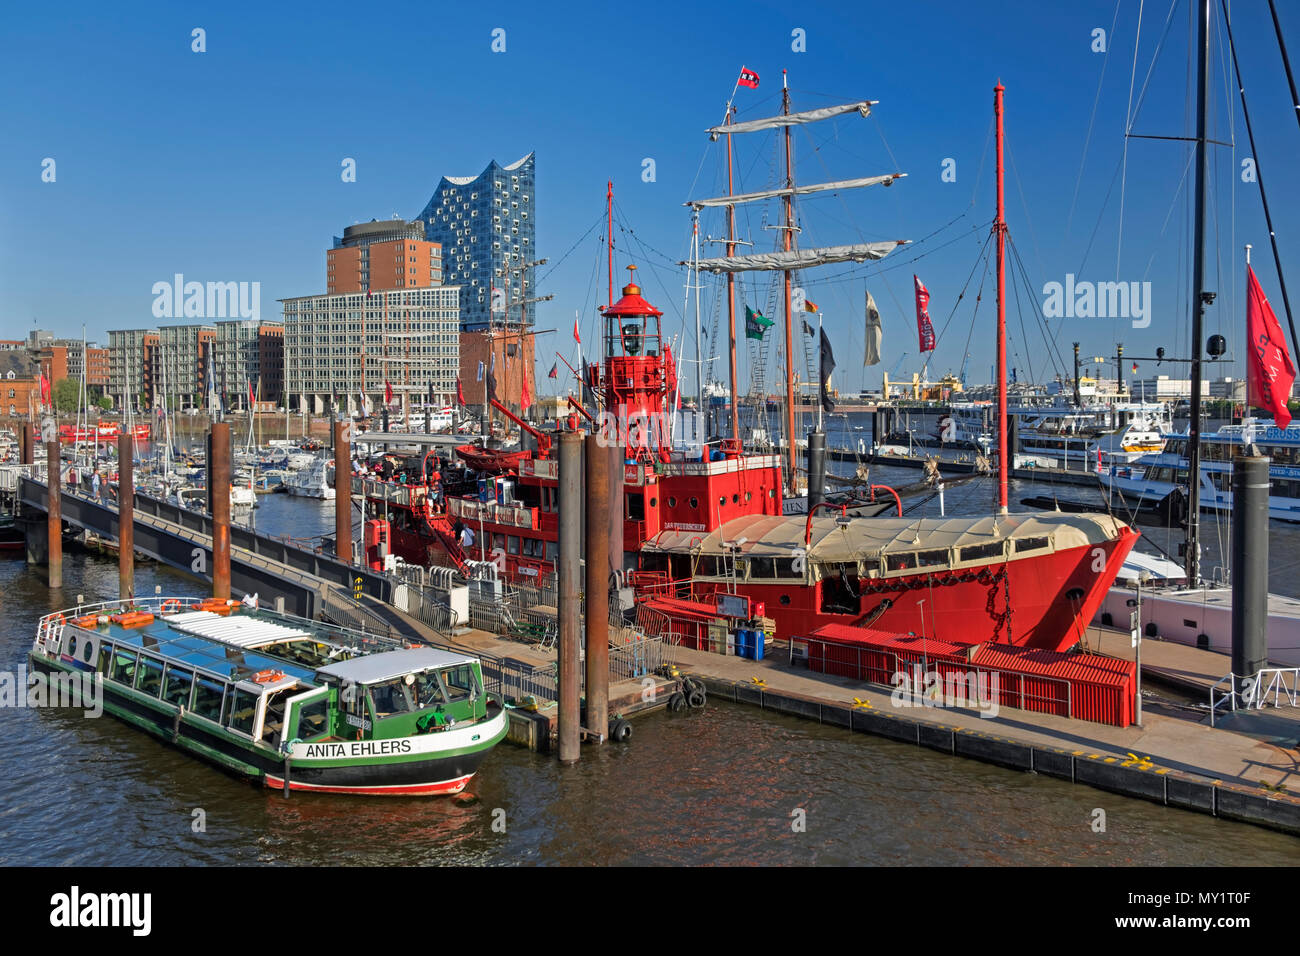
column 707, row 521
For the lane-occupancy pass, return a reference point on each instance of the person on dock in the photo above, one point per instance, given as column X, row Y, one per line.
column 95, row 488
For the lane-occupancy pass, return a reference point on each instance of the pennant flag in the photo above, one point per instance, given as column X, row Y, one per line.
column 554, row 372
column 491, row 385
column 808, row 328
column 251, row 399
column 460, row 393
column 1135, row 368
column 827, row 367
column 480, row 372
column 45, row 390
column 748, row 78
column 873, row 333
column 525, row 397
column 1269, row 369
column 576, row 337
column 756, row 324
column 924, row 327
column 388, row 393
column 809, row 305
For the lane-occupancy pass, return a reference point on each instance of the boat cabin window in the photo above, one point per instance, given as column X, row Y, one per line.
column 981, row 552
column 460, row 682
column 176, row 686
column 552, row 550
column 937, row 557
column 392, row 697
column 148, row 678
column 785, row 568
column 654, row 562
column 1031, row 544
column 273, row 724
column 208, row 697
column 123, row 666
column 312, row 719
column 636, row 507
column 243, row 711
column 761, row 568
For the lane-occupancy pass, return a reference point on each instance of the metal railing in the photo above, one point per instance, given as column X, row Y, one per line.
column 1232, row 693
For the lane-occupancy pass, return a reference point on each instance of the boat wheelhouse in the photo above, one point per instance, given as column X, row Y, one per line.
column 287, row 702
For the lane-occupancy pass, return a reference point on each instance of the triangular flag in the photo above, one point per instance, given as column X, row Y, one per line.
column 554, row 372
column 1269, row 369
column 576, row 337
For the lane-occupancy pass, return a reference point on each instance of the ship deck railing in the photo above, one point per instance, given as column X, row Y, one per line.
column 1233, row 692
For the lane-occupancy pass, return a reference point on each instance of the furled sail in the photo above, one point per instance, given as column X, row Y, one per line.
column 798, row 258
column 794, row 119
column 887, row 179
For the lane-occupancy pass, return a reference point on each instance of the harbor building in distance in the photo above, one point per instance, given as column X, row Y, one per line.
column 486, row 226
column 386, row 320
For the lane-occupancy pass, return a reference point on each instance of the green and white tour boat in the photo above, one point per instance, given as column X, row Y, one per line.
column 293, row 703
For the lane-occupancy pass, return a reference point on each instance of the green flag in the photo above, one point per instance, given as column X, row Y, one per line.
column 756, row 324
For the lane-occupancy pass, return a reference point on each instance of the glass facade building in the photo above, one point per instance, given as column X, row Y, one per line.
column 486, row 227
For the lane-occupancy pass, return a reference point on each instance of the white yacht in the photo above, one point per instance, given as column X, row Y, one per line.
column 311, row 482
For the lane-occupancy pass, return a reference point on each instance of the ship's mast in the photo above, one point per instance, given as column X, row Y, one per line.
column 731, row 297
column 789, row 334
column 609, row 245
column 1000, row 230
column 1200, row 298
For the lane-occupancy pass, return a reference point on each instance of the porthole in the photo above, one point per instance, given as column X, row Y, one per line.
column 654, row 502
column 72, row 646
column 88, row 652
column 771, row 492
column 749, row 496
column 722, row 501
column 735, row 499
column 785, row 600
column 695, row 502
column 672, row 502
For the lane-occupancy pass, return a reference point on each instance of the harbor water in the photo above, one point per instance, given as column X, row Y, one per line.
column 726, row 785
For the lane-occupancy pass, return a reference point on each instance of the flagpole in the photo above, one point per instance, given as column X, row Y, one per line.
column 822, row 390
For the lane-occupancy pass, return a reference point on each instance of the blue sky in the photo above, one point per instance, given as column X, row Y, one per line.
column 225, row 165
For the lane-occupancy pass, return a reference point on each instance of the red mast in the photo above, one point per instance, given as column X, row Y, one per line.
column 1000, row 229
column 731, row 299
column 789, row 335
column 609, row 200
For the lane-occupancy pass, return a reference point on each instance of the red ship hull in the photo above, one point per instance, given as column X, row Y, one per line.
column 1027, row 602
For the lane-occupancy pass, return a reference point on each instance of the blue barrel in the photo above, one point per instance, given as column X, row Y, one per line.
column 758, row 639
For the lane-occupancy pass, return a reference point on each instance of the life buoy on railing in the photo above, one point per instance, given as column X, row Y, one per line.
column 169, row 605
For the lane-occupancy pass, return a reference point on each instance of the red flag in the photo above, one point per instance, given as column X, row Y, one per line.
column 1270, row 371
column 554, row 372
column 45, row 390
column 460, row 393
column 251, row 399
column 924, row 327
column 525, row 399
column 575, row 329
column 388, row 393
column 748, row 78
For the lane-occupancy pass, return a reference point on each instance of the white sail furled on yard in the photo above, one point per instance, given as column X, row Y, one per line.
column 798, row 258
column 887, row 180
column 862, row 107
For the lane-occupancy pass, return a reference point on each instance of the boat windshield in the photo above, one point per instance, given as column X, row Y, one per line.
column 406, row 694
column 460, row 681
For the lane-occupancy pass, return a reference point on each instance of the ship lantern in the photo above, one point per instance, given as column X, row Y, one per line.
column 637, row 372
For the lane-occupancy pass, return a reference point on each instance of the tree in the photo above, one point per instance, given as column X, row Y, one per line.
column 67, row 395
column 105, row 402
